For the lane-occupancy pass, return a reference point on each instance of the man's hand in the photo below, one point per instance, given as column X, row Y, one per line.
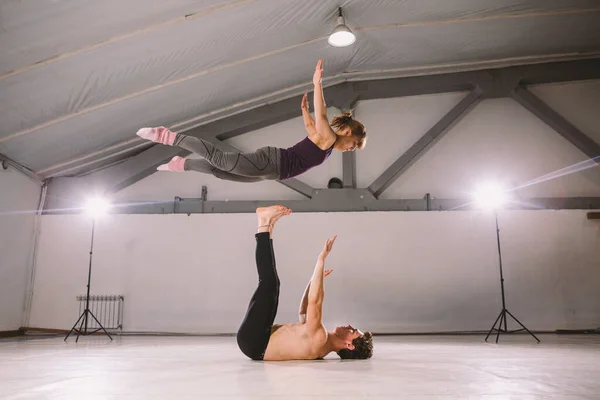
column 318, row 75
column 304, row 105
column 327, row 248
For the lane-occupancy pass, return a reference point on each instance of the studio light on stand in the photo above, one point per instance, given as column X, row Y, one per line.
column 341, row 36
column 492, row 197
column 95, row 208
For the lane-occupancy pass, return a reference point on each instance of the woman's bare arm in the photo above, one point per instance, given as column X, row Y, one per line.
column 309, row 123
column 325, row 134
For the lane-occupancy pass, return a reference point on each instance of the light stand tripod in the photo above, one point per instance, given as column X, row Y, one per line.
column 502, row 316
column 84, row 316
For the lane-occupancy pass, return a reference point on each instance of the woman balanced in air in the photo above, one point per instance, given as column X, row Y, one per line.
column 343, row 134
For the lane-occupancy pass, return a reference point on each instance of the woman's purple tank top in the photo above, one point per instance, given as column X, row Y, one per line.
column 300, row 158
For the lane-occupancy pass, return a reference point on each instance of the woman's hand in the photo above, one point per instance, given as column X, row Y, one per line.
column 318, row 75
column 304, row 104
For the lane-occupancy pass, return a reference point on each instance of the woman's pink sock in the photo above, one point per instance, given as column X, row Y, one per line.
column 175, row 165
column 158, row 135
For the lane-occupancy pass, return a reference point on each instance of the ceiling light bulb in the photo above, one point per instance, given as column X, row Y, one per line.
column 341, row 36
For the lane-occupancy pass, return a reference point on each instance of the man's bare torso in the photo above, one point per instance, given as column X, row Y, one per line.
column 292, row 342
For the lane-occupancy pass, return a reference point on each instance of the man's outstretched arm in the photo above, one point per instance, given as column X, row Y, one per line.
column 303, row 305
column 316, row 293
column 304, row 301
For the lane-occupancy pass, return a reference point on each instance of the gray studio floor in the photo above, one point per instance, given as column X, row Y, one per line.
column 412, row 367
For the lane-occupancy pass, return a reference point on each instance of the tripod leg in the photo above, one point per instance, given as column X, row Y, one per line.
column 492, row 328
column 82, row 321
column 519, row 322
column 502, row 318
column 100, row 325
column 73, row 328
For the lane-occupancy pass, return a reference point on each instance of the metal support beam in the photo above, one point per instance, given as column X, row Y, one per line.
column 415, row 86
column 557, row 122
column 257, row 118
column 495, row 82
column 554, row 72
column 343, row 200
column 94, row 165
column 298, row 186
column 6, row 162
column 349, row 169
column 424, row 143
column 125, row 174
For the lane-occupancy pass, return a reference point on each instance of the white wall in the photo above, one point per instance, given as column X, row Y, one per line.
column 393, row 272
column 19, row 199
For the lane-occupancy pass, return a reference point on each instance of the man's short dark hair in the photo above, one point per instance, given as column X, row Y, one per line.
column 363, row 348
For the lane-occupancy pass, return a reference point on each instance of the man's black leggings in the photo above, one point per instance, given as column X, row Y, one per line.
column 255, row 331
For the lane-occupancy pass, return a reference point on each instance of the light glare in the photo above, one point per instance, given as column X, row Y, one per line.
column 490, row 196
column 97, row 206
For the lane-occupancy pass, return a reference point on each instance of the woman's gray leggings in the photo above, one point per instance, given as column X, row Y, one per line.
column 239, row 167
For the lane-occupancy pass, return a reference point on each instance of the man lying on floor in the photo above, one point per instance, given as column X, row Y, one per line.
column 259, row 339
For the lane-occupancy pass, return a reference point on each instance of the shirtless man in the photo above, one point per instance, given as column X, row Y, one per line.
column 308, row 339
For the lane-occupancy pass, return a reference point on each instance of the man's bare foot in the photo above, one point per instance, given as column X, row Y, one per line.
column 266, row 213
column 276, row 218
column 267, row 216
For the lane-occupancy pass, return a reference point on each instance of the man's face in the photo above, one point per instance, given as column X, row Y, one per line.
column 348, row 333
